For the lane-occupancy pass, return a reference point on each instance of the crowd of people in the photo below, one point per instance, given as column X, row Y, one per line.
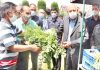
column 14, row 50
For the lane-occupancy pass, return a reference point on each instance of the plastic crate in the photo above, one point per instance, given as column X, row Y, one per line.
column 88, row 58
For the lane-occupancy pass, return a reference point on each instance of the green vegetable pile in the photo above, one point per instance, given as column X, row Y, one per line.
column 47, row 40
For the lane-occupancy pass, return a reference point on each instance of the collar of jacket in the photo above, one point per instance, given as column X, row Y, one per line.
column 92, row 18
column 76, row 20
column 53, row 19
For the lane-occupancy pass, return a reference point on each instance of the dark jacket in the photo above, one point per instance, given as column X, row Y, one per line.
column 56, row 23
column 35, row 18
column 90, row 24
column 95, row 39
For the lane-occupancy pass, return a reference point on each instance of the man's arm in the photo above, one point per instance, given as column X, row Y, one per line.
column 22, row 48
column 9, row 41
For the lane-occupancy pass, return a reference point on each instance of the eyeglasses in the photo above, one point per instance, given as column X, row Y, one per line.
column 18, row 12
column 33, row 9
column 72, row 10
column 28, row 13
column 53, row 12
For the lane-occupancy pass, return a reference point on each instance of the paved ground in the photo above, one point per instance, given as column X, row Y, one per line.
column 44, row 65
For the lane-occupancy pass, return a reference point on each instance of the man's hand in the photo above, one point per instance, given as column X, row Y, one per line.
column 27, row 43
column 66, row 44
column 92, row 47
column 35, row 48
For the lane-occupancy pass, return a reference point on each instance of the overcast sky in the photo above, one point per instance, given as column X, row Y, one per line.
column 48, row 2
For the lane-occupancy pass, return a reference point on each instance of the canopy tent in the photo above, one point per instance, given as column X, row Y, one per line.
column 97, row 2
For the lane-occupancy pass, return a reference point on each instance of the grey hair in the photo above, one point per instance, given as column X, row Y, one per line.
column 4, row 9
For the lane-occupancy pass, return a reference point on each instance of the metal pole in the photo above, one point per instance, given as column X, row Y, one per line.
column 81, row 40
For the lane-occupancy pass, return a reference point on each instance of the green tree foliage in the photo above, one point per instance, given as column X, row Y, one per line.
column 54, row 5
column 25, row 3
column 41, row 4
